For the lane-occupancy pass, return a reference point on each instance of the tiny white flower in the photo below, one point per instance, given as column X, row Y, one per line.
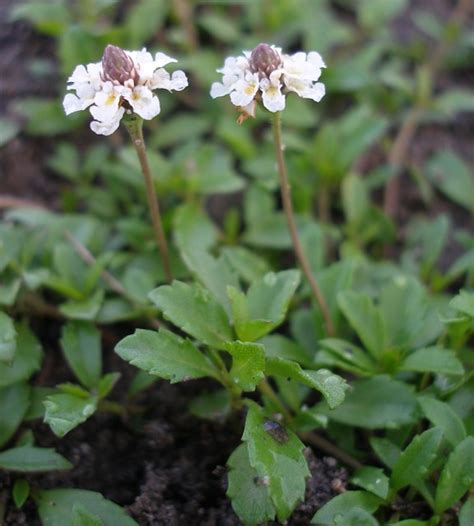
column 122, row 83
column 267, row 74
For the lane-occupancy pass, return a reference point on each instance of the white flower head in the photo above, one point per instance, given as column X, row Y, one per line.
column 267, row 74
column 122, row 83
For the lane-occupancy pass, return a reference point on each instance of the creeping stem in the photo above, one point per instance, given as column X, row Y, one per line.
column 290, row 217
column 134, row 126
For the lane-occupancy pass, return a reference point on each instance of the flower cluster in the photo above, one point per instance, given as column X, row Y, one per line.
column 269, row 74
column 123, row 82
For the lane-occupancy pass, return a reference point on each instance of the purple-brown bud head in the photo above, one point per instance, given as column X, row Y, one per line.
column 117, row 66
column 264, row 60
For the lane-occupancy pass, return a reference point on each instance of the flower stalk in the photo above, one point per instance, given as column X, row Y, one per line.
column 134, row 127
column 285, row 190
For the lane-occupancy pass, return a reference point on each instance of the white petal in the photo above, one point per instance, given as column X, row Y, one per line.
column 244, row 92
column 273, row 99
column 107, row 128
column 161, row 59
column 179, row 81
column 106, row 106
column 79, row 74
column 163, row 80
column 71, row 103
column 219, row 90
column 144, row 103
column 315, row 92
column 316, row 59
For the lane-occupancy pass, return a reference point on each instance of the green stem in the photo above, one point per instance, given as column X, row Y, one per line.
column 265, row 388
column 290, row 217
column 134, row 126
column 226, row 380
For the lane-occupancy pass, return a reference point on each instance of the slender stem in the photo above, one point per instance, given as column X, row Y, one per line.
column 265, row 388
column 404, row 138
column 326, row 446
column 135, row 129
column 290, row 217
column 226, row 380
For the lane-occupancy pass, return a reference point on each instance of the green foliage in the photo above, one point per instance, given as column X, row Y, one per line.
column 66, row 507
column 239, row 312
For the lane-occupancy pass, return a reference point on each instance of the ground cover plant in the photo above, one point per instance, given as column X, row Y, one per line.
column 237, row 263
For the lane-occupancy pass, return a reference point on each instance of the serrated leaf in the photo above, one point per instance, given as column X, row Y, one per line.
column 7, row 338
column 415, row 461
column 376, row 403
column 345, row 355
column 27, row 359
column 278, row 346
column 29, row 459
column 278, row 461
column 247, row 491
column 14, row 403
column 165, row 354
column 434, row 360
column 366, row 319
column 64, row 412
column 330, row 385
column 20, row 492
column 463, row 302
column 443, row 416
column 192, row 309
column 81, row 346
column 456, row 476
column 373, row 480
column 248, row 363
column 55, row 507
column 343, row 504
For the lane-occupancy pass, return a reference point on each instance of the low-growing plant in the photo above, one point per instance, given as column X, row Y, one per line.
column 305, row 335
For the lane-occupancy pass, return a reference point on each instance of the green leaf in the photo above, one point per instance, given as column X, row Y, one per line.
column 82, row 517
column 277, row 458
column 463, row 302
column 7, row 338
column 192, row 309
column 55, row 507
column 366, row 319
column 141, row 381
column 143, row 21
column 443, row 416
column 453, row 177
column 193, row 228
column 14, row 403
column 265, row 305
column 376, row 403
column 410, row 522
column 456, row 477
column 415, row 461
column 434, row 360
column 246, row 263
column 211, row 406
column 330, row 385
column 165, row 354
column 356, row 517
column 373, row 480
column 66, row 411
column 247, row 491
column 248, row 363
column 106, row 384
column 27, row 358
column 387, row 451
column 278, row 346
column 20, row 492
column 81, row 346
column 343, row 354
column 30, row 459
column 467, row 513
column 343, row 504
column 87, row 309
